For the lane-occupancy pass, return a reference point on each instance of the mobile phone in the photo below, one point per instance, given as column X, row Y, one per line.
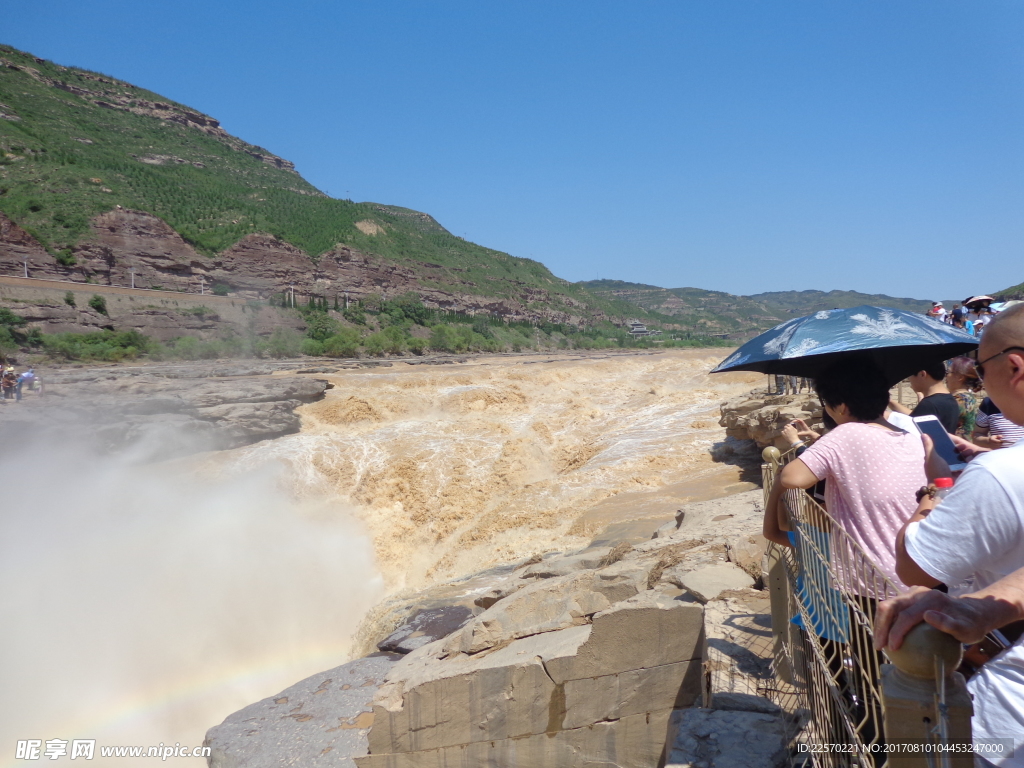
column 931, row 426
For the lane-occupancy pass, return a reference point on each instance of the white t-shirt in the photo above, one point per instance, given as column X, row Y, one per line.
column 977, row 533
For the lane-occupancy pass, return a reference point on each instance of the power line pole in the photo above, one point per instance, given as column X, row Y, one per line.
column 132, row 270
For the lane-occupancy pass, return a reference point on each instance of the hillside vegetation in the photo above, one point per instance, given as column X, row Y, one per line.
column 718, row 312
column 75, row 143
column 1013, row 292
column 805, row 302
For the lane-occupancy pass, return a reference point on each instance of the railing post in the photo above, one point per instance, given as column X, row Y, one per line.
column 926, row 700
column 777, row 581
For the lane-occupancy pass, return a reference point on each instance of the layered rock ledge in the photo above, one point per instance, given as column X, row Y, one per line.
column 632, row 656
column 157, row 412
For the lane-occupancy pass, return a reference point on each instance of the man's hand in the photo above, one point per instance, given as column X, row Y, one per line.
column 966, row 448
column 898, row 407
column 934, row 465
column 966, row 618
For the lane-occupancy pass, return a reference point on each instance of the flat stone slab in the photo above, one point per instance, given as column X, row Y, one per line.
column 709, row 582
column 319, row 722
column 722, row 739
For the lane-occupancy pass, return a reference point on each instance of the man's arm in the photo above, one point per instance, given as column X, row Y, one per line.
column 906, row 568
column 967, row 618
column 898, row 407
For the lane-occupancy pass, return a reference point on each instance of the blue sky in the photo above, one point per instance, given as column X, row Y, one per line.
column 739, row 146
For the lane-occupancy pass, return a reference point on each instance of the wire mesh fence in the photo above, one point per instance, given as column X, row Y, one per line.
column 831, row 590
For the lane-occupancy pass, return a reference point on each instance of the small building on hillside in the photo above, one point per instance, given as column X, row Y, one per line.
column 636, row 328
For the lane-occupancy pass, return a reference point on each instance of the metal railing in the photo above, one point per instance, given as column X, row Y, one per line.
column 825, row 590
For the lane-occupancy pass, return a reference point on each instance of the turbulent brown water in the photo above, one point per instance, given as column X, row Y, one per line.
column 452, row 469
column 144, row 604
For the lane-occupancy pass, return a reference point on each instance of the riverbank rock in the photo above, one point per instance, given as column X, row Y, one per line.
column 592, row 658
column 158, row 413
column 761, row 418
column 319, row 722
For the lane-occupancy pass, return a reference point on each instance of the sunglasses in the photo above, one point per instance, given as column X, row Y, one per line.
column 979, row 365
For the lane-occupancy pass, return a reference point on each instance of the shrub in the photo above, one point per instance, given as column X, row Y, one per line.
column 355, row 314
column 311, row 347
column 66, row 258
column 442, row 338
column 186, row 348
column 284, row 342
column 345, row 343
column 219, row 289
column 111, row 346
column 417, row 346
column 390, row 341
column 319, row 326
column 98, row 303
column 69, row 299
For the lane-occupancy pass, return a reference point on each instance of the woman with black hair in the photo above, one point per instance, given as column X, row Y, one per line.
column 873, row 468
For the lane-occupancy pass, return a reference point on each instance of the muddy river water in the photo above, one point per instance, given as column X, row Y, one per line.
column 454, row 468
column 146, row 603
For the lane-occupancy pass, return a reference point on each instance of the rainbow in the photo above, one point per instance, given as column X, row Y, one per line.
column 118, row 717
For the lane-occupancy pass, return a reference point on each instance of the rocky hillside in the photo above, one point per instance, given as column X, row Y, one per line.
column 99, row 177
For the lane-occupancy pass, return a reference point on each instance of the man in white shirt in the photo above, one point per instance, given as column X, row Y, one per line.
column 976, row 536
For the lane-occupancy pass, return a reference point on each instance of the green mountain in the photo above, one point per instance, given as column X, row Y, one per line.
column 75, row 143
column 719, row 312
column 1013, row 292
column 692, row 309
column 805, row 302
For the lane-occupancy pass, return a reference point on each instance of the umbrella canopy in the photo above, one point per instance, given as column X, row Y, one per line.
column 900, row 343
column 978, row 301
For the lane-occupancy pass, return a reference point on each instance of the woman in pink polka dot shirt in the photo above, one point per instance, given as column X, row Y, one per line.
column 872, row 468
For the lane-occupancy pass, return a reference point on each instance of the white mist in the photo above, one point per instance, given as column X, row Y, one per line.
column 142, row 605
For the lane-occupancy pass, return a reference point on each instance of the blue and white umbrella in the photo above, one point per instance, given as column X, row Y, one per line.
column 900, row 343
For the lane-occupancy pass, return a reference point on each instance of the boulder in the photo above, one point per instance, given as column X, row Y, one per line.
column 639, row 656
column 321, row 721
column 563, row 566
column 429, row 702
column 551, row 604
column 709, row 582
column 636, row 741
column 425, row 627
column 746, row 552
column 762, row 419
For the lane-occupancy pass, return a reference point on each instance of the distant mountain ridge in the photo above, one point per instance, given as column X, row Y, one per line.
column 805, row 302
column 720, row 312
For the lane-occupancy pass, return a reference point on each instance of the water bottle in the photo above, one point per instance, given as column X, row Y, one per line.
column 943, row 485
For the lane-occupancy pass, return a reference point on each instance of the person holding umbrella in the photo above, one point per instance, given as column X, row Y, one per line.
column 872, row 469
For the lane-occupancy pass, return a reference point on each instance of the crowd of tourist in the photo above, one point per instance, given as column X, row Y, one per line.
column 13, row 383
column 956, row 556
column 972, row 315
